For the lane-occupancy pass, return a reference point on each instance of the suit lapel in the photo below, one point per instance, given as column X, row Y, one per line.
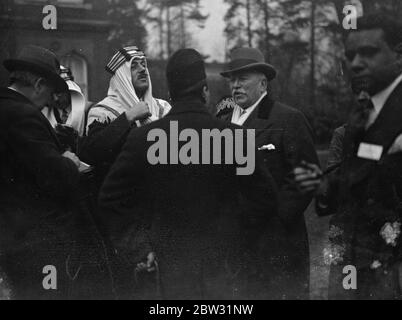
column 259, row 118
column 383, row 132
column 388, row 124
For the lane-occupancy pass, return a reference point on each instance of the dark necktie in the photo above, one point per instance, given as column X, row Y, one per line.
column 359, row 118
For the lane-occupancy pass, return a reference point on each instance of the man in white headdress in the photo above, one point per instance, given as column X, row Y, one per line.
column 129, row 104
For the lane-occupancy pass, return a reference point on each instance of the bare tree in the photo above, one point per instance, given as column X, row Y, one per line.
column 173, row 18
column 312, row 53
column 263, row 4
column 249, row 33
column 239, row 21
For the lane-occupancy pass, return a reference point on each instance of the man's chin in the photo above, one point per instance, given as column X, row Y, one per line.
column 369, row 85
column 141, row 86
column 240, row 102
column 360, row 84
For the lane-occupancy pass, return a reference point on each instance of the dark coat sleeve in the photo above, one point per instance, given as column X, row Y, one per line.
column 335, row 154
column 123, row 190
column 325, row 200
column 36, row 151
column 104, row 141
column 298, row 146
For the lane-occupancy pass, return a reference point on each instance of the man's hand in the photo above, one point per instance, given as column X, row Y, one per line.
column 138, row 112
column 308, row 177
column 68, row 136
column 149, row 266
column 72, row 157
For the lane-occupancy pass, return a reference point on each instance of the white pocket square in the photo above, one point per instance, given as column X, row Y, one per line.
column 268, row 147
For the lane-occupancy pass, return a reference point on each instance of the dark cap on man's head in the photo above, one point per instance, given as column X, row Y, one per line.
column 185, row 72
column 41, row 62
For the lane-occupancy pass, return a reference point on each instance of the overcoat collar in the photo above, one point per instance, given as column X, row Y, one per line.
column 259, row 118
column 18, row 97
column 12, row 94
column 188, row 106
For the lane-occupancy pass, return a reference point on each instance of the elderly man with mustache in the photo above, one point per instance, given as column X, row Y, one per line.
column 284, row 139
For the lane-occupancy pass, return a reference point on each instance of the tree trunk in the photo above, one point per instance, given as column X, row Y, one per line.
column 161, row 31
column 267, row 34
column 249, row 34
column 396, row 6
column 312, row 54
column 182, row 28
column 169, row 32
column 288, row 73
column 339, row 5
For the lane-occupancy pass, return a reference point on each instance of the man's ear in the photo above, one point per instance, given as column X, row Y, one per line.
column 205, row 93
column 39, row 84
column 205, row 90
column 264, row 82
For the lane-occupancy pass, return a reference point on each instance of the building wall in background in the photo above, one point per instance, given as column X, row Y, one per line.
column 80, row 42
column 80, row 38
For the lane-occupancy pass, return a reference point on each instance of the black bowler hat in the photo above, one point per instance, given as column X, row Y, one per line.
column 185, row 72
column 39, row 61
column 244, row 59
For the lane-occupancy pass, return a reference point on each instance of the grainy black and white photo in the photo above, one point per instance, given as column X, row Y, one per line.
column 235, row 151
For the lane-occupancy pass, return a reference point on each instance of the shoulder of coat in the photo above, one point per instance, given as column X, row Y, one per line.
column 163, row 104
column 164, row 107
column 225, row 106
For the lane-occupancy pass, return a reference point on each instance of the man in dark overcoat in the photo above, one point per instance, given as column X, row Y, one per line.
column 284, row 139
column 37, row 180
column 201, row 221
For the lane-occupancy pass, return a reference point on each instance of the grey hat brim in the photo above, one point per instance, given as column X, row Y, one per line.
column 54, row 79
column 265, row 68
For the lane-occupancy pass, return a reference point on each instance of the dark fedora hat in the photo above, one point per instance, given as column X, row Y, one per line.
column 39, row 61
column 243, row 59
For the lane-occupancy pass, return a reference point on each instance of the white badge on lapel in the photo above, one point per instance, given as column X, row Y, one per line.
column 370, row 151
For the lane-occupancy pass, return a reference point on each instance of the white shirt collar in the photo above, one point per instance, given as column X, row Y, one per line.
column 13, row 89
column 381, row 98
column 240, row 115
column 252, row 108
